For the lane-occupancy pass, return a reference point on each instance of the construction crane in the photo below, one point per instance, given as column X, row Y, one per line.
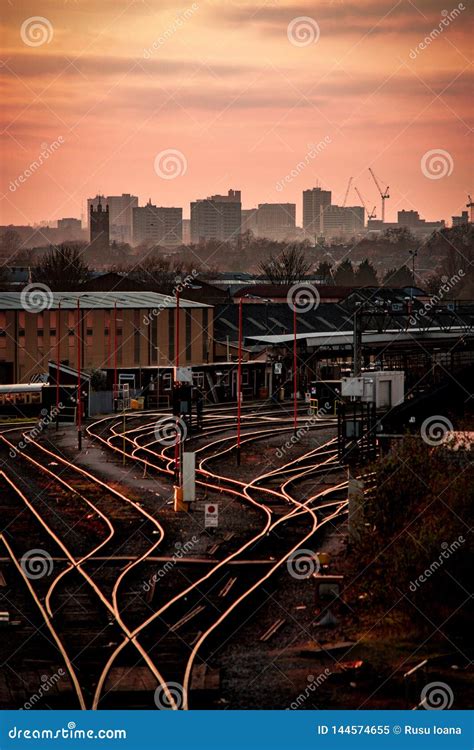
column 470, row 206
column 383, row 194
column 370, row 214
column 347, row 192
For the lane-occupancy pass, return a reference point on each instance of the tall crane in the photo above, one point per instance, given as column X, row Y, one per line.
column 470, row 206
column 383, row 194
column 370, row 214
column 347, row 192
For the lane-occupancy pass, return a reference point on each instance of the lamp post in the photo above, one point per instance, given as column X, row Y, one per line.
column 414, row 254
column 295, row 375
column 177, row 447
column 58, row 359
column 79, row 383
column 115, row 392
column 239, row 382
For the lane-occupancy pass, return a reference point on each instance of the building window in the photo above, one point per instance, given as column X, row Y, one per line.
column 189, row 321
column 198, row 380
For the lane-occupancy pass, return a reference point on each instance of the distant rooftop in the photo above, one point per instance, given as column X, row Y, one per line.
column 96, row 300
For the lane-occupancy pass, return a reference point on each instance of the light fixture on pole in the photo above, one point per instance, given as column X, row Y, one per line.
column 295, row 374
column 79, row 383
column 239, row 382
column 58, row 358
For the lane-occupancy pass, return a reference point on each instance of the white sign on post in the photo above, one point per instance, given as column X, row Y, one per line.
column 189, row 476
column 211, row 516
column 183, row 374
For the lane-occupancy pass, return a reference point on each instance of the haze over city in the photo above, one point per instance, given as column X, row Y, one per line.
column 230, row 88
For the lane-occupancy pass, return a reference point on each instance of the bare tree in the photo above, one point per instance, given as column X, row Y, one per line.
column 62, row 268
column 288, row 267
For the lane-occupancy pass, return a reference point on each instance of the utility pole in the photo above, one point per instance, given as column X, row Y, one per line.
column 79, row 383
column 414, row 254
column 58, row 359
column 295, row 375
column 239, row 382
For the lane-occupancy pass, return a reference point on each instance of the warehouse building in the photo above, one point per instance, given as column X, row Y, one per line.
column 99, row 329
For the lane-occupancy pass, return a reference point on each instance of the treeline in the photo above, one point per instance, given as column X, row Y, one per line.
column 414, row 551
column 387, row 260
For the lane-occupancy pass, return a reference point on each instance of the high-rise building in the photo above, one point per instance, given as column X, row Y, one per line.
column 70, row 224
column 249, row 220
column 460, row 221
column 315, row 202
column 217, row 217
column 276, row 221
column 120, row 214
column 158, row 225
column 99, row 227
column 343, row 220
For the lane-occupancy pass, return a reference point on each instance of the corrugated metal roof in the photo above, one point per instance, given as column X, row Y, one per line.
column 92, row 300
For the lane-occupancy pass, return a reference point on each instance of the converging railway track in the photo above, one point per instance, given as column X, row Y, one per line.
column 173, row 626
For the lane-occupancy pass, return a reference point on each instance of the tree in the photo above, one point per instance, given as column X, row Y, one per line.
column 400, row 236
column 398, row 277
column 324, row 271
column 62, row 268
column 421, row 506
column 288, row 267
column 366, row 275
column 10, row 243
column 344, row 275
column 455, row 247
column 3, row 276
column 159, row 274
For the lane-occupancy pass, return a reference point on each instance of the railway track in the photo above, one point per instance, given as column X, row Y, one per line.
column 172, row 639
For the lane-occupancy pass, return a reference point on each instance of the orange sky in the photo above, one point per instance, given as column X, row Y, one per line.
column 242, row 98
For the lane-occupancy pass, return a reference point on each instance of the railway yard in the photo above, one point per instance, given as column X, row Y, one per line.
column 111, row 599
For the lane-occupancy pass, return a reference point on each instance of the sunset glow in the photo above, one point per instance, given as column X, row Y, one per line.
column 119, row 81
